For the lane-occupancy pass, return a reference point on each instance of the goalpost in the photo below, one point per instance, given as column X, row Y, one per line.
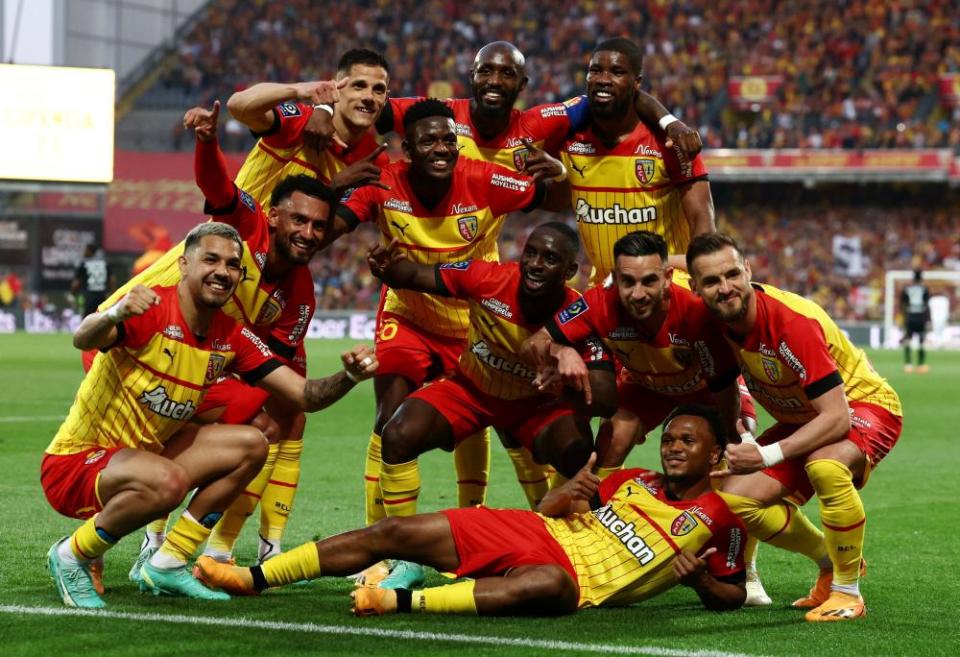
column 949, row 336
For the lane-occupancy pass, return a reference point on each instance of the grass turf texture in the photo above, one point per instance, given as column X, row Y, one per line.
column 911, row 546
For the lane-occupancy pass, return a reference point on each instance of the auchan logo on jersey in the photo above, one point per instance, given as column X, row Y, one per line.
column 614, row 215
column 160, row 403
column 626, row 533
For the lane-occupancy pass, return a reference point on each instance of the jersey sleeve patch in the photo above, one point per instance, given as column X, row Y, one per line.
column 247, row 200
column 460, row 265
column 575, row 309
column 288, row 109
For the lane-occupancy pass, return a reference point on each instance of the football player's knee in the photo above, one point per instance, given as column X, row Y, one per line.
column 388, row 532
column 267, row 426
column 400, row 441
column 552, row 589
column 251, row 445
column 169, row 485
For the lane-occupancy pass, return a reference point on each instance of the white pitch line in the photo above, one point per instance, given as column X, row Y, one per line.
column 30, row 418
column 313, row 628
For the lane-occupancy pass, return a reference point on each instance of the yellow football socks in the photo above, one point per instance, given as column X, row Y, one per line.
column 277, row 501
column 400, row 485
column 451, row 599
column 532, row 476
column 472, row 461
column 372, row 496
column 842, row 515
column 299, row 564
column 780, row 524
column 88, row 543
column 224, row 534
column 182, row 541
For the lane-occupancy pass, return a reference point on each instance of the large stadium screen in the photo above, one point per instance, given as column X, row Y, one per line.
column 57, row 123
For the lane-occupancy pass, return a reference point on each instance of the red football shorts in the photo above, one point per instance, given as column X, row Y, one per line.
column 86, row 358
column 468, row 410
column 873, row 429
column 491, row 542
column 408, row 350
column 240, row 401
column 653, row 408
column 70, row 480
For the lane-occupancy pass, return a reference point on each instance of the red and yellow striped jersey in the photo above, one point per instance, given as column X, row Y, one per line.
column 498, row 327
column 795, row 353
column 627, row 187
column 623, row 552
column 544, row 125
column 281, row 152
column 278, row 311
column 464, row 225
column 148, row 384
column 686, row 355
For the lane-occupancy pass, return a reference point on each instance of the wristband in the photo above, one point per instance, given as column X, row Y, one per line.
column 747, row 437
column 113, row 313
column 771, row 454
column 350, row 375
column 666, row 120
column 326, row 108
column 560, row 177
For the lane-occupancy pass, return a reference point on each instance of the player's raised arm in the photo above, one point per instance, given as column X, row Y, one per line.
column 254, row 106
column 209, row 165
column 100, row 329
column 715, row 594
column 679, row 134
column 578, row 495
column 697, row 203
column 396, row 270
column 312, row 395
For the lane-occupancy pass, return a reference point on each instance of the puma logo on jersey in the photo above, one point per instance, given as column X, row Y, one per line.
column 168, row 354
column 579, row 170
column 402, row 228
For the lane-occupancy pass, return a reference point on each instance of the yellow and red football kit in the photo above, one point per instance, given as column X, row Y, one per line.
column 680, row 364
column 280, row 151
column 618, row 554
column 630, row 186
column 794, row 354
column 141, row 391
column 492, row 386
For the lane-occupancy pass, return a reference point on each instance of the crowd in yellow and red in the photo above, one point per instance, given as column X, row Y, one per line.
column 848, row 74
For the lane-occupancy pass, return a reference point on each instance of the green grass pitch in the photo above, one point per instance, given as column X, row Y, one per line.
column 911, row 590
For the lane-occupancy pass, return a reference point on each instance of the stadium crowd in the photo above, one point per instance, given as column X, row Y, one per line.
column 854, row 74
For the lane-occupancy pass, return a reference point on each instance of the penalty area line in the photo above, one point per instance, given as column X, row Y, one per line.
column 372, row 632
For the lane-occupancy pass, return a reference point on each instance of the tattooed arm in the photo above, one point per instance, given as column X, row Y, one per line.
column 316, row 394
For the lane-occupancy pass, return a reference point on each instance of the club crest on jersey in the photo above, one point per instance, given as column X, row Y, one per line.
column 289, row 109
column 576, row 308
column 520, row 158
column 644, row 169
column 683, row 524
column 771, row 369
column 215, row 367
column 269, row 312
column 467, row 227
column 95, row 456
